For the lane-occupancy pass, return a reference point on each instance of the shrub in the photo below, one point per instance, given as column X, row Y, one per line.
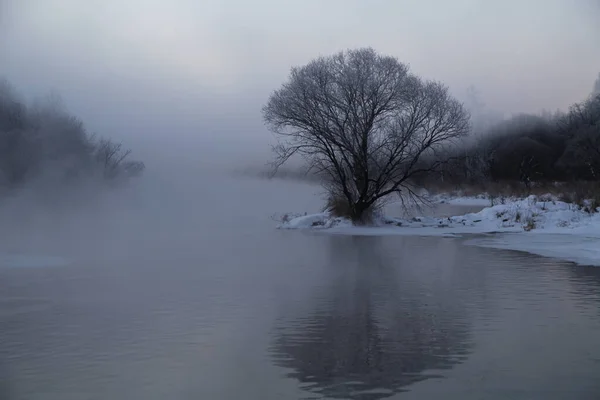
column 529, row 224
column 338, row 207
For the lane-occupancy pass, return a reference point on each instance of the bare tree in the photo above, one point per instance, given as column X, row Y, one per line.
column 113, row 160
column 596, row 89
column 365, row 123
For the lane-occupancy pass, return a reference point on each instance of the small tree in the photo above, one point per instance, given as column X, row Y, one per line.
column 365, row 124
column 113, row 160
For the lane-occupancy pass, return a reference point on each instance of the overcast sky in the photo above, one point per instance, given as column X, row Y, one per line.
column 205, row 67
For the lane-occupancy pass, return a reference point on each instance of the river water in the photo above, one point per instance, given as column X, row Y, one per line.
column 195, row 295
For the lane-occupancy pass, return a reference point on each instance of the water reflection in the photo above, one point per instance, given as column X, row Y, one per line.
column 377, row 325
column 585, row 286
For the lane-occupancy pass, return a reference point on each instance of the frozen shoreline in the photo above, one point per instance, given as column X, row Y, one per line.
column 543, row 226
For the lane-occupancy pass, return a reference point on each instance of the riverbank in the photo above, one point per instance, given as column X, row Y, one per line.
column 539, row 225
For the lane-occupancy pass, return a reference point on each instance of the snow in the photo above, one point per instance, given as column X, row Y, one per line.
column 579, row 249
column 543, row 226
column 315, row 221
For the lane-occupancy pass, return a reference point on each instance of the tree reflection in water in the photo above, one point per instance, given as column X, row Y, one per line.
column 377, row 326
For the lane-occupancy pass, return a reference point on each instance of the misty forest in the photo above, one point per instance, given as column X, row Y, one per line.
column 42, row 143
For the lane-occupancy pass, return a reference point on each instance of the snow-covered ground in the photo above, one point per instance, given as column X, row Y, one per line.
column 547, row 227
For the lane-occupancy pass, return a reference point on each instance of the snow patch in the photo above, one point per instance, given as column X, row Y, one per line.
column 314, row 221
column 579, row 249
column 529, row 216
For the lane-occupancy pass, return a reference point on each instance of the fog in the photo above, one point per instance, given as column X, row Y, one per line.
column 189, row 70
column 182, row 83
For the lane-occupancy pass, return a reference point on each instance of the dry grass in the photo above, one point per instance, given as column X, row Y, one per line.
column 584, row 194
column 515, row 189
column 529, row 224
column 339, row 207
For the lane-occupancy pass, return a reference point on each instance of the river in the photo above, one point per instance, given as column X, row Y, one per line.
column 192, row 294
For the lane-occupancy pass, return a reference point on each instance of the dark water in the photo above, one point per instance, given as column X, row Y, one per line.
column 244, row 311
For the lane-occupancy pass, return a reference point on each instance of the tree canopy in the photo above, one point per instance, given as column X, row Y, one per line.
column 365, row 124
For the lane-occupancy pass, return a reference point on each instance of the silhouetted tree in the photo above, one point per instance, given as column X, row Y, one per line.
column 365, row 123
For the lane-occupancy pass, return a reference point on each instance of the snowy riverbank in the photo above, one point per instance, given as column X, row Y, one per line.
column 541, row 226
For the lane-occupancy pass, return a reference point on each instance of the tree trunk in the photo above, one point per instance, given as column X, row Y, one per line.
column 360, row 213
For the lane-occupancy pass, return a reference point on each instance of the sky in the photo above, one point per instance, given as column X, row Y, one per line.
column 204, row 68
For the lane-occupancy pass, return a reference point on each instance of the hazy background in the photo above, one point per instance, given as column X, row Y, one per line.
column 173, row 71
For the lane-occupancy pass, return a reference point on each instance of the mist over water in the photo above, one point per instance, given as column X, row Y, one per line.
column 180, row 200
column 182, row 288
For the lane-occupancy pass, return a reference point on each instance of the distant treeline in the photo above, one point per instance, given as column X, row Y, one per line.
column 529, row 149
column 43, row 141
